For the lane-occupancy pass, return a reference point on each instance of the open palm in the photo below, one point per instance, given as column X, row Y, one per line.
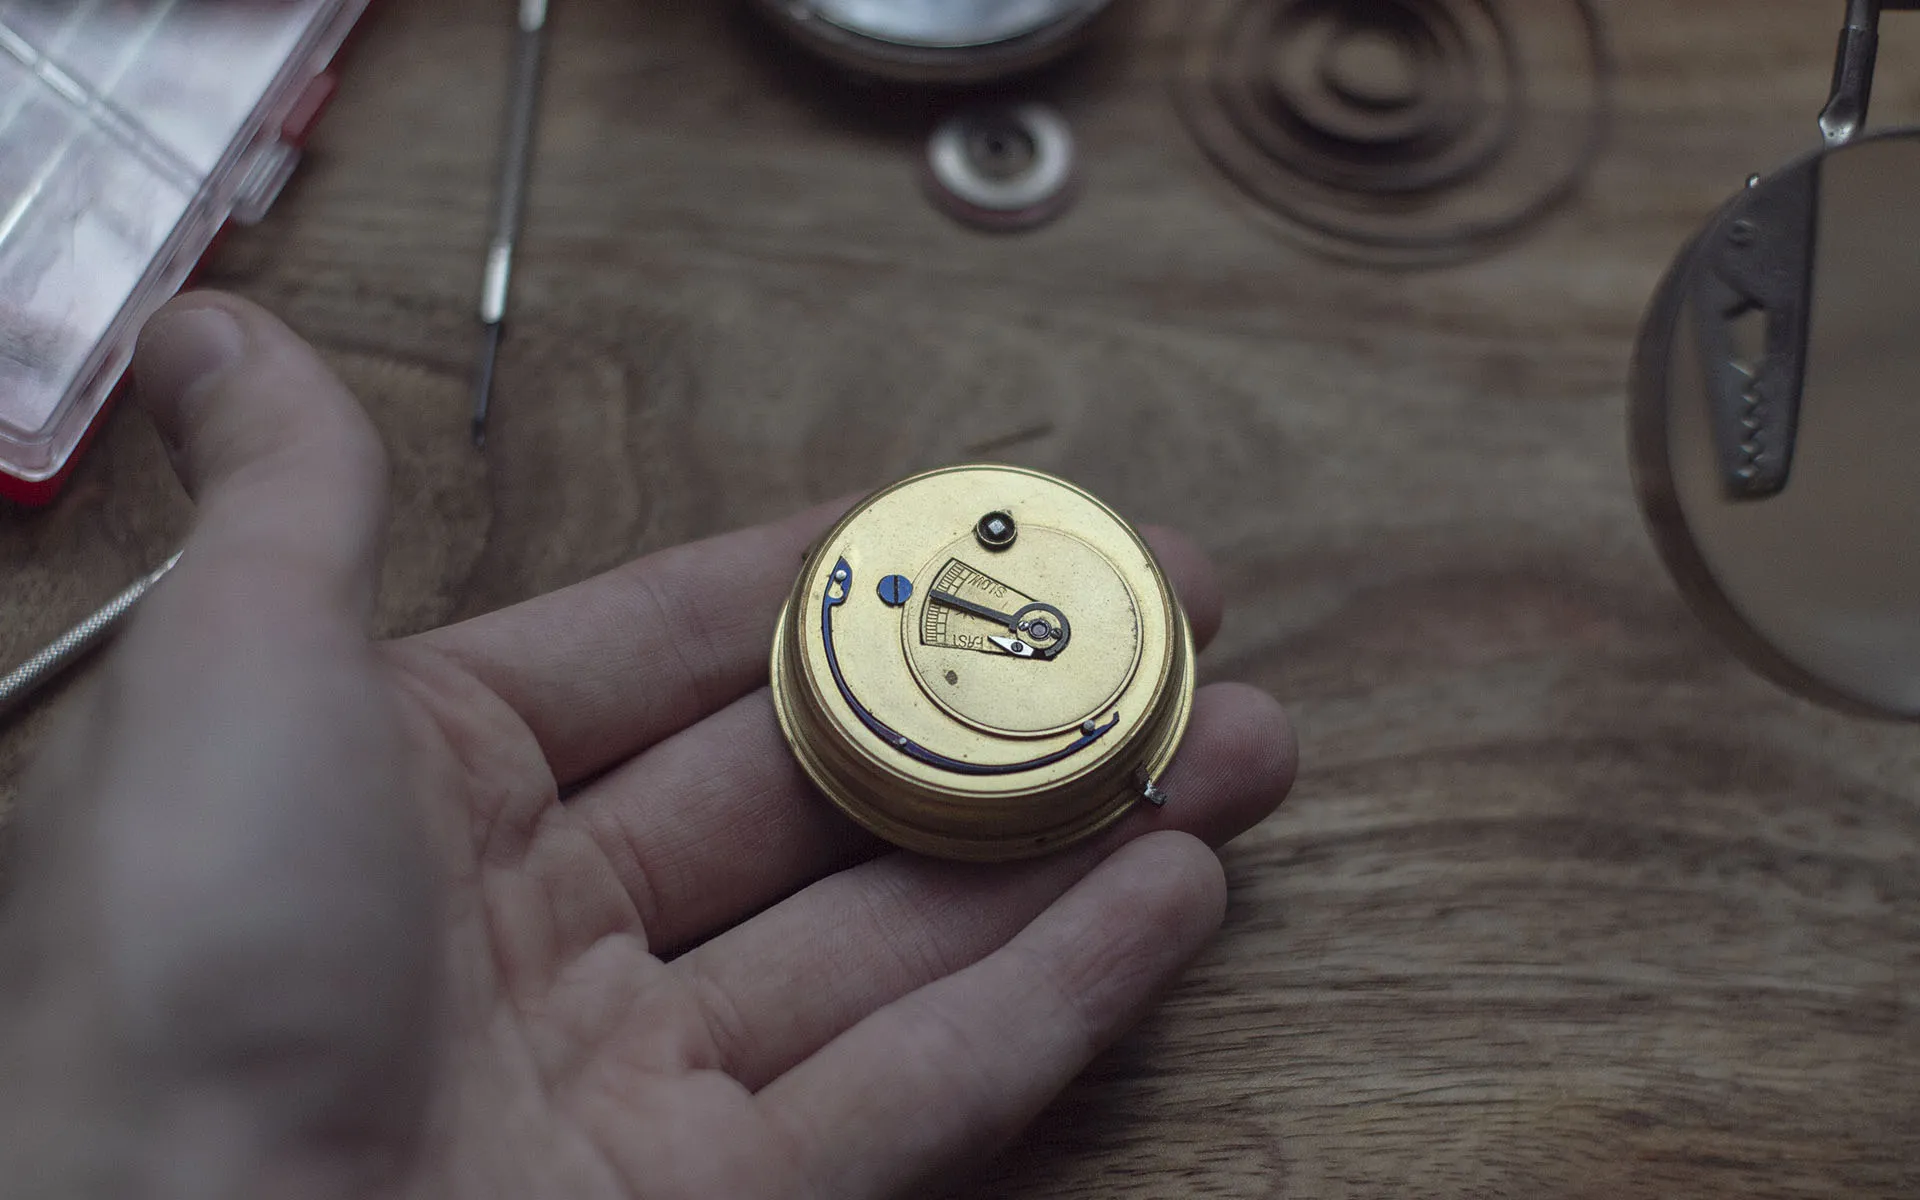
column 536, row 905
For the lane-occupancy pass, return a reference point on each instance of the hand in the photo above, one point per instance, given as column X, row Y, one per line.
column 536, row 905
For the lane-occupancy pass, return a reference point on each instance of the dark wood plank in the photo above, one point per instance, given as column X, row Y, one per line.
column 1567, row 903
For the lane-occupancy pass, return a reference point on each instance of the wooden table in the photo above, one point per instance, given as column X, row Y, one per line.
column 1567, row 903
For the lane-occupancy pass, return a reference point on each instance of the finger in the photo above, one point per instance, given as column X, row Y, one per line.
column 608, row 667
column 288, row 474
column 716, row 822
column 953, row 1071
column 773, row 990
column 1194, row 579
column 604, row 669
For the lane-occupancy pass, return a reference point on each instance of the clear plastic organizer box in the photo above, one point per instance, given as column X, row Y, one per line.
column 131, row 132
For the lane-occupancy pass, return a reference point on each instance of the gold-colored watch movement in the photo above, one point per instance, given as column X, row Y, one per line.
column 983, row 663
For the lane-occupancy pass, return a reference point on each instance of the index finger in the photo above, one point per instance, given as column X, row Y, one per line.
column 603, row 669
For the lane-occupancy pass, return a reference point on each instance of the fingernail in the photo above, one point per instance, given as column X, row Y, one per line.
column 182, row 349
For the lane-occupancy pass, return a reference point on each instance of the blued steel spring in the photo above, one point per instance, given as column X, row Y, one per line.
column 1400, row 132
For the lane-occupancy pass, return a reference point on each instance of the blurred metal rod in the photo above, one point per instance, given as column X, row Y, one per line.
column 516, row 164
column 1846, row 112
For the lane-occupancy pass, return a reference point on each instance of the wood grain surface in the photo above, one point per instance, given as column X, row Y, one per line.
column 1567, row 903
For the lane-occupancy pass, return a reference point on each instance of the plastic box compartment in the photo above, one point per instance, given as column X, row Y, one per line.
column 131, row 132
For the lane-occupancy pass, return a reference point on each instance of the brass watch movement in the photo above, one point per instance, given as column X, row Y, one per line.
column 983, row 663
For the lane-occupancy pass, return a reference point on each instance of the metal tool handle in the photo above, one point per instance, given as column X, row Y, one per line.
column 516, row 161
column 26, row 680
column 1846, row 112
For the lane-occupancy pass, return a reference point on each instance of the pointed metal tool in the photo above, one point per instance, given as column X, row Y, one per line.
column 516, row 163
column 25, row 681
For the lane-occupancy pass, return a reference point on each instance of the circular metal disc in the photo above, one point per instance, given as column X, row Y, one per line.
column 983, row 698
column 949, row 24
column 1817, row 586
column 948, row 41
column 1002, row 167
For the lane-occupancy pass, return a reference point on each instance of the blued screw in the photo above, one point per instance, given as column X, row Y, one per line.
column 896, row 590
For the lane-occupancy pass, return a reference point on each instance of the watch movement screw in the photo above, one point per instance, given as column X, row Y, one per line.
column 996, row 530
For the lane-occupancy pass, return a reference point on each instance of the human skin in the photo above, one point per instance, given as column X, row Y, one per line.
column 534, row 905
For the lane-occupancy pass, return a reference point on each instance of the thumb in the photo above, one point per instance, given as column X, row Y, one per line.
column 223, row 934
column 288, row 474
